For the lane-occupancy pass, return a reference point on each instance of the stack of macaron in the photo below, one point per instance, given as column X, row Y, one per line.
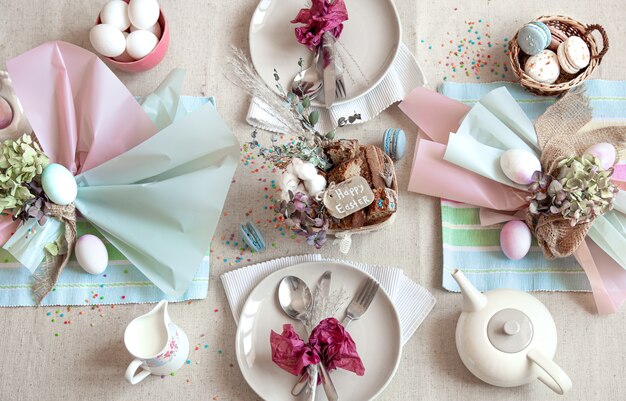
column 394, row 143
column 540, row 42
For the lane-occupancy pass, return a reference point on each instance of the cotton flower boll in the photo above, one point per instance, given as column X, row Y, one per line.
column 605, row 152
column 155, row 29
column 304, row 170
column 288, row 182
column 140, row 43
column 143, row 13
column 515, row 239
column 316, row 185
column 107, row 40
column 124, row 57
column 91, row 254
column 115, row 13
column 519, row 165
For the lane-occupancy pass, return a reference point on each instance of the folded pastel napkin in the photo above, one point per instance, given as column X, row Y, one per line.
column 412, row 301
column 475, row 249
column 403, row 76
column 120, row 283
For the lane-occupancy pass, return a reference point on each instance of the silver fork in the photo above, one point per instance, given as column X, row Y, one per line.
column 361, row 301
column 340, row 87
column 355, row 310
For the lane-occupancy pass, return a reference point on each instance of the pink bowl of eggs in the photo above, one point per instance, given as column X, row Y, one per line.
column 131, row 35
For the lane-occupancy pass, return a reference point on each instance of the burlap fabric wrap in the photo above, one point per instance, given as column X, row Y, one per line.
column 47, row 275
column 559, row 136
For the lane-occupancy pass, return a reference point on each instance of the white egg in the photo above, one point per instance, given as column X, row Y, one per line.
column 59, row 184
column 143, row 13
column 125, row 57
column 519, row 165
column 115, row 13
column 605, row 152
column 91, row 254
column 515, row 239
column 140, row 43
column 107, row 40
column 155, row 29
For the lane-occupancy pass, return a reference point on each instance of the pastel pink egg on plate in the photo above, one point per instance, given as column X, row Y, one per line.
column 515, row 239
column 603, row 151
column 6, row 113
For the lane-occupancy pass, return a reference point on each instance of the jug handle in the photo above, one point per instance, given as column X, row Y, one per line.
column 132, row 369
column 556, row 378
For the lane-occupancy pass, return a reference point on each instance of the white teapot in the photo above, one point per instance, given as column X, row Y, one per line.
column 507, row 338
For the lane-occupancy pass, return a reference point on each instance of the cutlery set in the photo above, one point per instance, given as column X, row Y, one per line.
column 296, row 301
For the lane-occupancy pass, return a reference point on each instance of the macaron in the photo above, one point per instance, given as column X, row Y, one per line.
column 558, row 37
column 252, row 236
column 533, row 37
column 573, row 55
column 394, row 143
column 543, row 67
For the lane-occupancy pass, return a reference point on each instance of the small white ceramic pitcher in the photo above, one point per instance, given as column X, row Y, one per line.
column 158, row 345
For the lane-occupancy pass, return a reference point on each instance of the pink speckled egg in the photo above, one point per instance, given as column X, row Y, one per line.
column 603, row 151
column 6, row 113
column 515, row 239
column 519, row 165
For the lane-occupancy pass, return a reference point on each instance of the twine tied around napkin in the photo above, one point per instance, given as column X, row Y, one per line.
column 45, row 278
column 559, row 136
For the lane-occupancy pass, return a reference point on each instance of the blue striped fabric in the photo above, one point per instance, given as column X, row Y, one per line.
column 474, row 249
column 120, row 283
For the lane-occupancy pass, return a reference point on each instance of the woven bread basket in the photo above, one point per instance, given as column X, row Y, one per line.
column 343, row 236
column 569, row 27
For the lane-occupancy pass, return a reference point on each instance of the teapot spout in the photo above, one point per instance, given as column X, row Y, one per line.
column 473, row 300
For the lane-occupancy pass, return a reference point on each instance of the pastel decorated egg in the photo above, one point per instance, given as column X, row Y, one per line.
column 115, row 13
column 143, row 13
column 519, row 165
column 140, row 43
column 515, row 239
column 59, row 184
column 605, row 152
column 107, row 40
column 91, row 254
column 6, row 113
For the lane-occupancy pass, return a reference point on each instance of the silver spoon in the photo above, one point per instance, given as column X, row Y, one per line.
column 296, row 301
column 309, row 81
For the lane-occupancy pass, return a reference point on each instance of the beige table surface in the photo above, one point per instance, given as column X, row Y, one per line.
column 87, row 359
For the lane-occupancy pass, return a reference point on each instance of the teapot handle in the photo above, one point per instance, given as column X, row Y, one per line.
column 556, row 378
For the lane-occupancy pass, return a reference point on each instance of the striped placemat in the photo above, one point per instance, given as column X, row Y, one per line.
column 475, row 249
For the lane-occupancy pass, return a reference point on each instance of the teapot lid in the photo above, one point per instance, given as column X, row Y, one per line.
column 510, row 330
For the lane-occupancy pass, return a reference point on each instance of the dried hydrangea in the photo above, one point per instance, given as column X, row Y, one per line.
column 21, row 162
column 588, row 186
column 305, row 217
column 582, row 190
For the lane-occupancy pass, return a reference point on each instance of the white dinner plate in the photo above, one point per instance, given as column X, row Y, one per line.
column 377, row 336
column 366, row 48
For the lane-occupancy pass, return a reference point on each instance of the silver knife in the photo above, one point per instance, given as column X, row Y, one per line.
column 322, row 292
column 328, row 68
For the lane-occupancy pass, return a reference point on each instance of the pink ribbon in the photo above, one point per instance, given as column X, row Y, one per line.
column 329, row 343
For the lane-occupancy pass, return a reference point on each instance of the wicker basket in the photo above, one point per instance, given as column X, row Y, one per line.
column 565, row 82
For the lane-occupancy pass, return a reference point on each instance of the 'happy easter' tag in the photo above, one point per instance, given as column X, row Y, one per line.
column 348, row 197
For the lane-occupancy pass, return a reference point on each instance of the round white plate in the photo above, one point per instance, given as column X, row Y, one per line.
column 377, row 336
column 366, row 48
